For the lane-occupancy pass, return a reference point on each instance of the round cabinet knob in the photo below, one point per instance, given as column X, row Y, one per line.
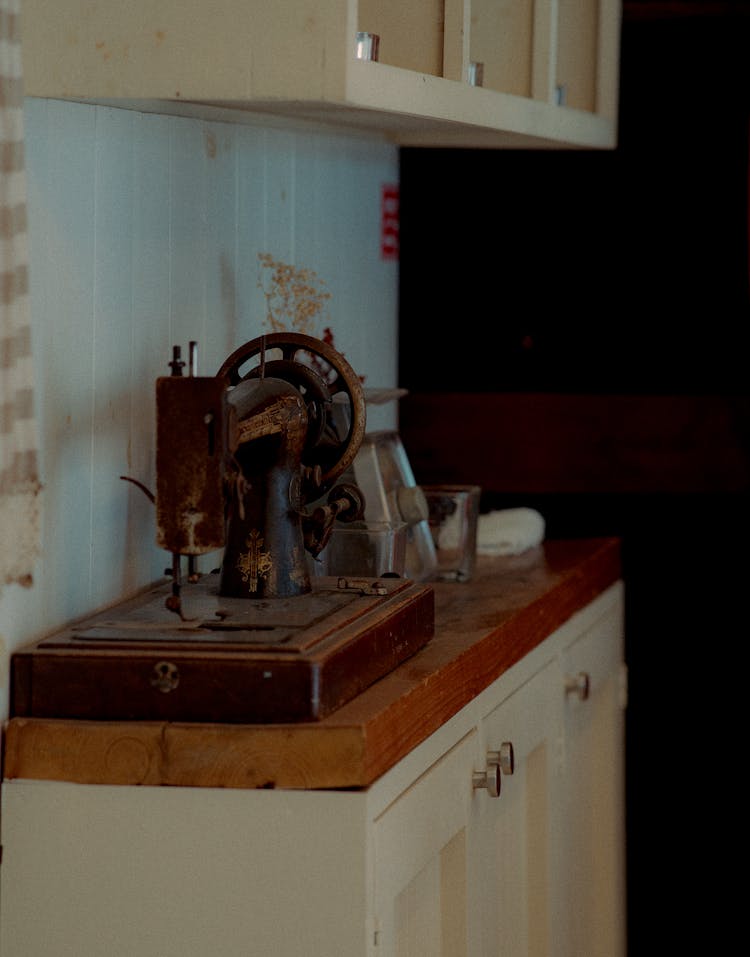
column 490, row 778
column 506, row 758
column 578, row 685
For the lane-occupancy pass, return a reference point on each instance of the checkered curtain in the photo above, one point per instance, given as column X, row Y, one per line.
column 19, row 481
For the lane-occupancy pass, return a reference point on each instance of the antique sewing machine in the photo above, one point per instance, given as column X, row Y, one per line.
column 248, row 462
column 241, row 454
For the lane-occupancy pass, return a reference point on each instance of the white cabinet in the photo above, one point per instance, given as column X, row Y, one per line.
column 535, row 866
column 513, row 834
column 550, row 67
column 423, row 862
column 593, row 786
column 420, row 860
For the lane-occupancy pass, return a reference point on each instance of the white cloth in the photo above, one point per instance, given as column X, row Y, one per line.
column 509, row 531
column 19, row 481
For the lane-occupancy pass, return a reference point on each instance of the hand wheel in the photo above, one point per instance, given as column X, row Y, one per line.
column 321, row 375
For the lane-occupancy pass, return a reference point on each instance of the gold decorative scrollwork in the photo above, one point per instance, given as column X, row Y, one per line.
column 255, row 563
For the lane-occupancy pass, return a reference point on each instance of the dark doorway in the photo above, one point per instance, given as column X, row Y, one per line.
column 624, row 273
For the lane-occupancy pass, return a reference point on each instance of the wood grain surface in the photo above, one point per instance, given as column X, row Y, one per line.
column 482, row 628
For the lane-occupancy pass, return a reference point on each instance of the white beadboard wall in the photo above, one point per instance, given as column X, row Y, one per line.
column 145, row 232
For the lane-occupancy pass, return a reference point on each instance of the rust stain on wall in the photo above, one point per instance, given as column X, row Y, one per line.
column 211, row 148
column 101, row 46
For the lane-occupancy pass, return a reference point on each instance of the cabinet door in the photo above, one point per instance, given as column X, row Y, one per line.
column 592, row 874
column 420, row 846
column 510, row 883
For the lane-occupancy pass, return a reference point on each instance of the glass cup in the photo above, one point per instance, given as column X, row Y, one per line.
column 453, row 516
column 364, row 549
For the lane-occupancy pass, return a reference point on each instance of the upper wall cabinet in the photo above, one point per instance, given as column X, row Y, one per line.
column 474, row 73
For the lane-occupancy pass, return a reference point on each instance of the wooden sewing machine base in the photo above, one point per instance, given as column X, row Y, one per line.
column 226, row 660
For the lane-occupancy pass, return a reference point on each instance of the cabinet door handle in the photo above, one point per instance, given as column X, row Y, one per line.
column 490, row 778
column 498, row 763
column 578, row 685
column 504, row 758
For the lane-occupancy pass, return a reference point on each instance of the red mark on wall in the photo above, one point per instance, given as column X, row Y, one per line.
column 389, row 222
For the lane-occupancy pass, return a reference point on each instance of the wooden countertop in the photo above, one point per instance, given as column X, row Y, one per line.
column 482, row 628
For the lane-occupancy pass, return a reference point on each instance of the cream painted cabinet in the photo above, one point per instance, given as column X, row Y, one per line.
column 500, row 834
column 549, row 875
column 421, row 844
column 549, row 69
column 529, row 859
column 593, row 837
column 512, row 834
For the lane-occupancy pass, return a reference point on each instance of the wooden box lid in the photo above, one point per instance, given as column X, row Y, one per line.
column 231, row 660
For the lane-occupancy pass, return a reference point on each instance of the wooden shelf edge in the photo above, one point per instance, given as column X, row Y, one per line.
column 168, row 754
column 421, row 109
column 475, row 119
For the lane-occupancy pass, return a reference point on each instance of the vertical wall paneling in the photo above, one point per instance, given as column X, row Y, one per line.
column 144, row 232
column 150, row 333
column 373, row 278
column 113, row 231
column 319, row 194
column 309, row 202
column 220, row 331
column 250, row 236
column 187, row 218
column 280, row 161
column 350, row 310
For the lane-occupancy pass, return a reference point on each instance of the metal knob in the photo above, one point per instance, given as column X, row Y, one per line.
column 505, row 757
column 498, row 763
column 578, row 685
column 490, row 778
